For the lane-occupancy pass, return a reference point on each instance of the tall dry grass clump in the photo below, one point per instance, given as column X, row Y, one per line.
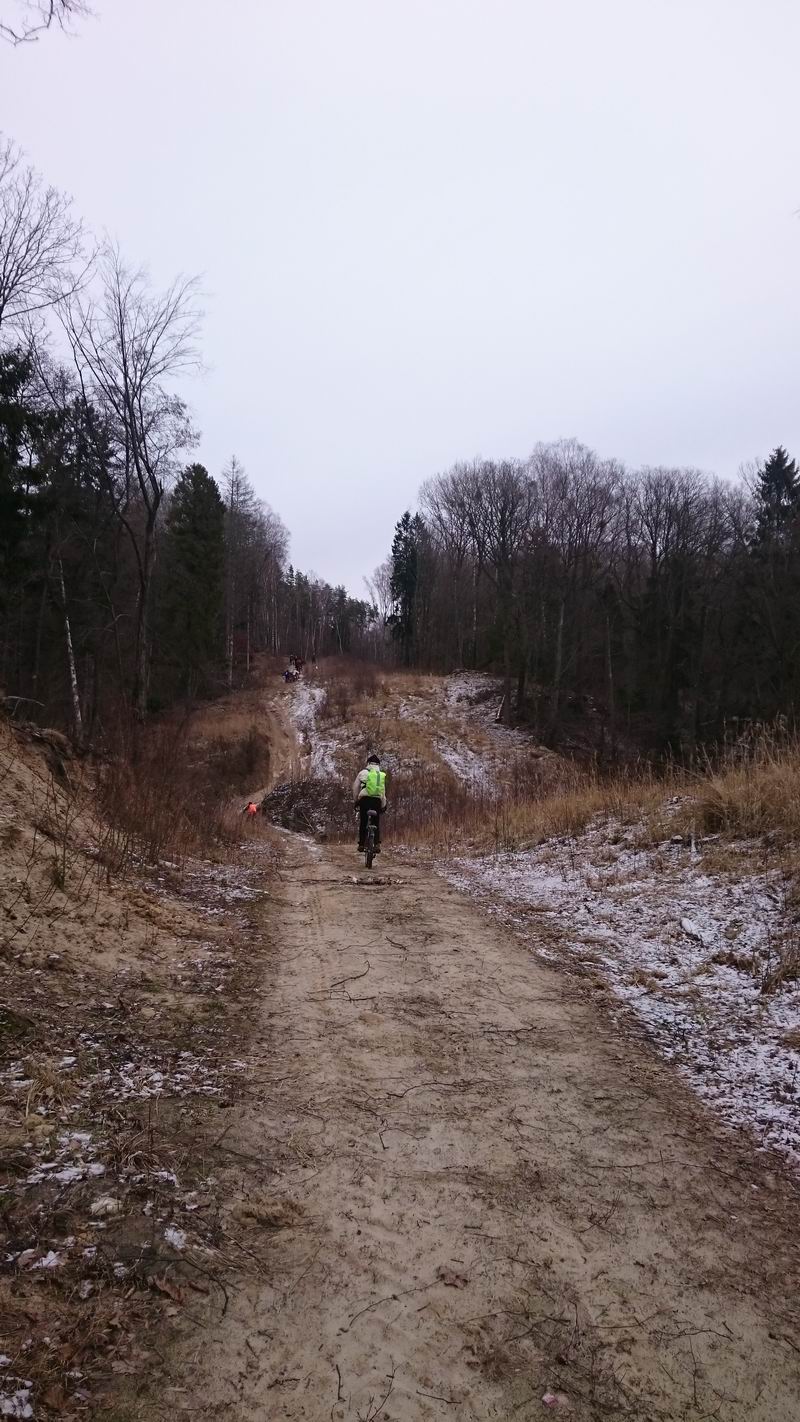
column 347, row 683
column 755, row 790
column 751, row 791
column 534, row 800
column 167, row 798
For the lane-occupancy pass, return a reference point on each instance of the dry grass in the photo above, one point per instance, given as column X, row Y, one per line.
column 755, row 793
column 356, row 690
column 48, row 1084
column 756, row 796
column 525, row 810
column 167, row 798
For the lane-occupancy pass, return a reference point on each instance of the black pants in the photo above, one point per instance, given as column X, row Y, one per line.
column 365, row 804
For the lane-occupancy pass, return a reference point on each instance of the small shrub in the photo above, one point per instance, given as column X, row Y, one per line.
column 310, row 806
column 234, row 765
column 162, row 802
column 364, row 681
column 755, row 788
column 342, row 700
column 783, row 961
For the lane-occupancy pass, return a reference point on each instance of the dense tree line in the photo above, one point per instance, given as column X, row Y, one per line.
column 129, row 577
column 663, row 601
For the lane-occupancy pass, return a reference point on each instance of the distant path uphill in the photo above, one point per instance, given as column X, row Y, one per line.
column 262, row 708
column 416, row 721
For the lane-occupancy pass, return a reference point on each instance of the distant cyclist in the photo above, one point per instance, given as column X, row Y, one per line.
column 369, row 793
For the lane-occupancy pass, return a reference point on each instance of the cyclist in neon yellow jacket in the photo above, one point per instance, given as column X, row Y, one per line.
column 369, row 793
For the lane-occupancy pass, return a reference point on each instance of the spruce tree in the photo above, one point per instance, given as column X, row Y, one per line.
column 771, row 588
column 194, row 578
column 405, row 570
column 777, row 495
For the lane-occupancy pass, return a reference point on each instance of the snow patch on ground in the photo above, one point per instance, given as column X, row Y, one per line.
column 461, row 720
column 687, row 950
column 467, row 765
column 475, row 699
column 304, row 704
column 470, row 689
column 18, row 1402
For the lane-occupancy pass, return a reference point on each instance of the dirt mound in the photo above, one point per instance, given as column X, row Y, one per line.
column 311, row 806
column 116, row 994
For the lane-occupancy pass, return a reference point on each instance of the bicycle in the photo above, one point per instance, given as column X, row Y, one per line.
column 370, row 837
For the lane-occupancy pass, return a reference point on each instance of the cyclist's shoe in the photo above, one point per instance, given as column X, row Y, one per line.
column 377, row 849
column 361, row 848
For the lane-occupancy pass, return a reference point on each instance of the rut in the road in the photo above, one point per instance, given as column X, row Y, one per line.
column 474, row 1193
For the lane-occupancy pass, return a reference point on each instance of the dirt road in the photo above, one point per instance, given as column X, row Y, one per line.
column 475, row 1194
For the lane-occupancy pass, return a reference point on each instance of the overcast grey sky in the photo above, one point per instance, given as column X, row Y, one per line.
column 431, row 229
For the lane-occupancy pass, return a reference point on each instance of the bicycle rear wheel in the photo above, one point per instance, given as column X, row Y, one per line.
column 369, row 853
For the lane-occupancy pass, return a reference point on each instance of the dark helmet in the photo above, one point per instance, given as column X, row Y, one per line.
column 373, row 760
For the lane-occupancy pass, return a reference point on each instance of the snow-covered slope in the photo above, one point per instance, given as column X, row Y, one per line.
column 691, row 946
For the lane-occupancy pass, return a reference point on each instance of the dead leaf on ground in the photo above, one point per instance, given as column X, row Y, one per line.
column 451, row 1277
column 166, row 1286
column 269, row 1214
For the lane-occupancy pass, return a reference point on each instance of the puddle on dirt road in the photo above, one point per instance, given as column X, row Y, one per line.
column 375, row 881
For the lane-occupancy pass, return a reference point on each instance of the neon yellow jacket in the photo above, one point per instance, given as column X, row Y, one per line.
column 360, row 787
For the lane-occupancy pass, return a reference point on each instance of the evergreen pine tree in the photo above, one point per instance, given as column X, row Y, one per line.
column 193, row 600
column 404, row 562
column 777, row 495
column 771, row 587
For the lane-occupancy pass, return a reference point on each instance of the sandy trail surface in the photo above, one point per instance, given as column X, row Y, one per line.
column 465, row 1195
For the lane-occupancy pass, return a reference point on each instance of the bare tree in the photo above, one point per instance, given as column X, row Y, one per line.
column 576, row 496
column 500, row 519
column 241, row 510
column 128, row 347
column 37, row 16
column 379, row 587
column 41, row 243
column 445, row 503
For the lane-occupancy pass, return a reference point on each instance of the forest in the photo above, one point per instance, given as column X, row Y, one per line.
column 659, row 606
column 656, row 607
column 131, row 579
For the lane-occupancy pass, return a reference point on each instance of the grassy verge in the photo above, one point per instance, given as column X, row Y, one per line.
column 740, row 800
column 171, row 794
column 754, row 793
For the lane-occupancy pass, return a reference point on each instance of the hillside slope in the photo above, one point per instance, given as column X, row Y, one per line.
column 123, row 1014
